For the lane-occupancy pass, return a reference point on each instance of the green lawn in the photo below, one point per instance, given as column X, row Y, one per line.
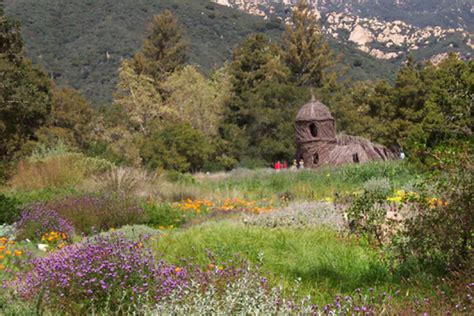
column 326, row 263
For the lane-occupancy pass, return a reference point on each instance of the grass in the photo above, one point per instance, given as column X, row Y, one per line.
column 305, row 184
column 325, row 263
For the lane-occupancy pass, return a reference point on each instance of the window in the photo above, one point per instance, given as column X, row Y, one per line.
column 355, row 158
column 313, row 129
column 316, row 158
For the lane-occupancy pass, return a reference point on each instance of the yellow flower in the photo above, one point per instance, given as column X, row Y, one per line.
column 2, row 267
column 2, row 248
column 18, row 253
column 177, row 269
column 8, row 252
column 211, row 266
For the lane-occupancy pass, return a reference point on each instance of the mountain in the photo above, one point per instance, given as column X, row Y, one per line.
column 81, row 42
column 385, row 29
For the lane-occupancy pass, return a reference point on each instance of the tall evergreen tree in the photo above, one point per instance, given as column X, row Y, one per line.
column 307, row 54
column 164, row 50
column 259, row 116
column 25, row 100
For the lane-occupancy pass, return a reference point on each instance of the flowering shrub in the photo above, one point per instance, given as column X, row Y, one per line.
column 9, row 211
column 227, row 205
column 55, row 239
column 38, row 220
column 299, row 215
column 103, row 272
column 88, row 214
column 11, row 257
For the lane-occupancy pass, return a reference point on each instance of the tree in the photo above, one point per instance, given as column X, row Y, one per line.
column 25, row 98
column 176, row 147
column 259, row 117
column 307, row 54
column 164, row 49
column 197, row 101
column 140, row 101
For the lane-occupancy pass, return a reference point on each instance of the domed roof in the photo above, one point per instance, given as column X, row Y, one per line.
column 313, row 111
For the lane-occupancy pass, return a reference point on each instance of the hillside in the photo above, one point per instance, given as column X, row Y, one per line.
column 385, row 29
column 81, row 42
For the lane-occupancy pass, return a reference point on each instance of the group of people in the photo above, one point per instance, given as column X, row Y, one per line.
column 281, row 166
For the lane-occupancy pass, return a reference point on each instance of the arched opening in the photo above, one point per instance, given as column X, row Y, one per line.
column 313, row 130
column 355, row 158
column 316, row 158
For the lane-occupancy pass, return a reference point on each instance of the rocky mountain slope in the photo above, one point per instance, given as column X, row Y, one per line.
column 385, row 29
column 81, row 42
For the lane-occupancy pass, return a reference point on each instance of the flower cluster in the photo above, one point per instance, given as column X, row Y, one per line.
column 226, row 205
column 38, row 220
column 197, row 206
column 102, row 270
column 10, row 254
column 55, row 239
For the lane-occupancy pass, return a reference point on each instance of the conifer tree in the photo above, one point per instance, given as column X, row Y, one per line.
column 164, row 49
column 307, row 54
column 25, row 100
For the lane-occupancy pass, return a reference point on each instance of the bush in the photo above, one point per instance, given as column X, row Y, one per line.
column 176, row 147
column 89, row 214
column 39, row 220
column 440, row 234
column 56, row 171
column 165, row 215
column 102, row 274
column 9, row 211
column 85, row 214
column 300, row 215
column 367, row 213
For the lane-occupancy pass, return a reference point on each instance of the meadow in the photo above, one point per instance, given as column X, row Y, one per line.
column 244, row 241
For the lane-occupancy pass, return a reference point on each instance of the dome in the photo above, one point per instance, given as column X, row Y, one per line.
column 314, row 111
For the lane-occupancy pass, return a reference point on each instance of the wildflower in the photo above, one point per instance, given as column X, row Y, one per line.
column 177, row 269
column 2, row 248
column 2, row 257
column 2, row 267
column 8, row 252
column 211, row 266
column 18, row 253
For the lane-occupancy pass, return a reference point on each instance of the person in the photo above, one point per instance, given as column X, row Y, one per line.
column 277, row 165
column 402, row 155
column 294, row 165
column 301, row 164
column 284, row 165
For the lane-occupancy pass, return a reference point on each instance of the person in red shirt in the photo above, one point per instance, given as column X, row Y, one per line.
column 277, row 166
column 284, row 165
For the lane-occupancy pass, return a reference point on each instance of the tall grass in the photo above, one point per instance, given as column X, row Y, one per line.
column 305, row 184
column 326, row 264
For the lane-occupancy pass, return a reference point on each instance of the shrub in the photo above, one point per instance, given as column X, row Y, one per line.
column 56, row 171
column 124, row 180
column 367, row 213
column 104, row 273
column 300, row 215
column 165, row 215
column 38, row 220
column 98, row 213
column 9, row 211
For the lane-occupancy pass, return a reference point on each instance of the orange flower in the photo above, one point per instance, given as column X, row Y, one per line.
column 177, row 269
column 2, row 257
column 8, row 252
column 2, row 267
column 18, row 253
column 2, row 248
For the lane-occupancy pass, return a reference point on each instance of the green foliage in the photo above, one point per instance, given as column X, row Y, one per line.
column 325, row 265
column 9, row 210
column 440, row 235
column 177, row 147
column 25, row 100
column 164, row 49
column 259, row 116
column 165, row 215
column 367, row 213
column 307, row 54
column 88, row 57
